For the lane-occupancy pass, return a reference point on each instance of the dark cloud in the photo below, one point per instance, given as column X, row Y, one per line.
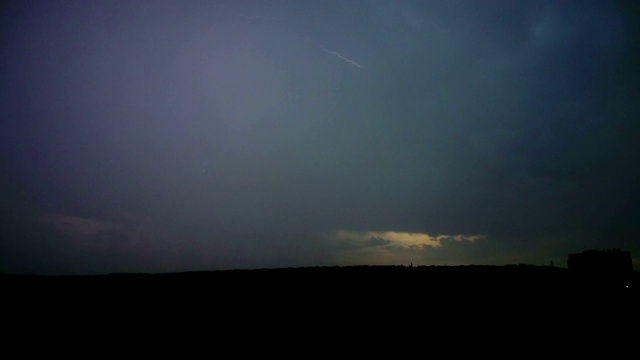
column 247, row 133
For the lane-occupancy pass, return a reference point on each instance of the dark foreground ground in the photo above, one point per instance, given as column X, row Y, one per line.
column 389, row 282
column 469, row 301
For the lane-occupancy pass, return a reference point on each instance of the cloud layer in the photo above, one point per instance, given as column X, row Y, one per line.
column 163, row 135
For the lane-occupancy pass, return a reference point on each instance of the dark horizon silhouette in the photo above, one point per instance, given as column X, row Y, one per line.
column 515, row 298
column 597, row 276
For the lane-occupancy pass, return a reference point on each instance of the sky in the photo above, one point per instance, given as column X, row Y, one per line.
column 164, row 135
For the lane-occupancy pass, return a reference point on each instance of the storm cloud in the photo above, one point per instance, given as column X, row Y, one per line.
column 187, row 135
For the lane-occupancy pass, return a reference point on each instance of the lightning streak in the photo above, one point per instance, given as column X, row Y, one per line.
column 259, row 17
column 340, row 56
column 306, row 38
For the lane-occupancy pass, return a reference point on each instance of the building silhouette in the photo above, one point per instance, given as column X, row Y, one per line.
column 609, row 269
column 608, row 261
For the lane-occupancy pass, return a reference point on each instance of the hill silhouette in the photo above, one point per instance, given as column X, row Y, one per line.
column 442, row 280
column 513, row 297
